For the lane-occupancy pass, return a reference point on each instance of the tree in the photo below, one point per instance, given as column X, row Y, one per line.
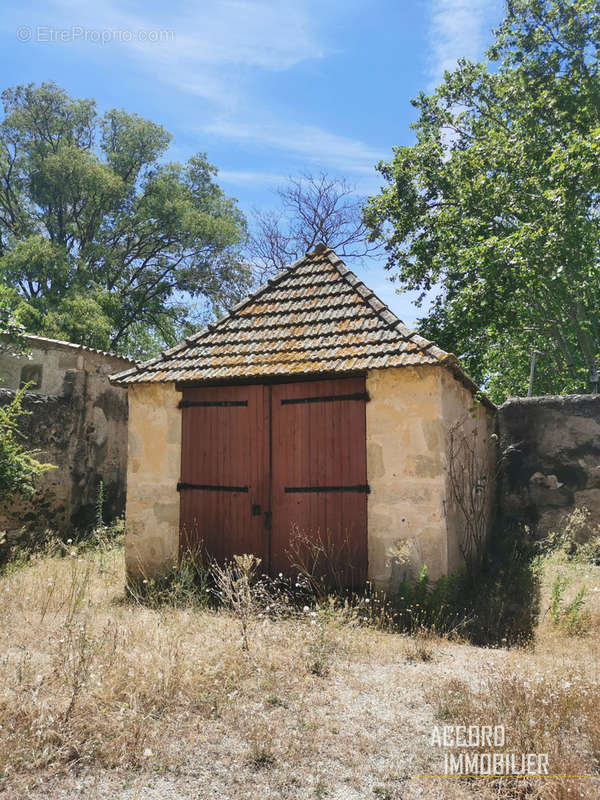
column 102, row 241
column 314, row 209
column 18, row 467
column 496, row 204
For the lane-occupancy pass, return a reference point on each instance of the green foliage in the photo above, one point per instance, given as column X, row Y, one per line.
column 188, row 583
column 497, row 606
column 578, row 539
column 497, row 203
column 102, row 241
column 19, row 467
column 573, row 617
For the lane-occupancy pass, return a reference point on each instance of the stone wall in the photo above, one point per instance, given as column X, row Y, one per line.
column 152, row 516
column 412, row 520
column 551, row 461
column 78, row 422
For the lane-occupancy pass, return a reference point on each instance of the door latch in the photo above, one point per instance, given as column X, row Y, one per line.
column 256, row 510
column 268, row 517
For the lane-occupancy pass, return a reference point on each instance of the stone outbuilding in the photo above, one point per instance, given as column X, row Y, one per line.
column 308, row 420
column 77, row 421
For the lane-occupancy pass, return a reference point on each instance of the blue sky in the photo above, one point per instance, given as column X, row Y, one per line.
column 266, row 88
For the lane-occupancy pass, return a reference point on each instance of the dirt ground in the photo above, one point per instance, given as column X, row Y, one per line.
column 105, row 699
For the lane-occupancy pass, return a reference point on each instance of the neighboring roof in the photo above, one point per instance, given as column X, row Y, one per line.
column 314, row 317
column 42, row 341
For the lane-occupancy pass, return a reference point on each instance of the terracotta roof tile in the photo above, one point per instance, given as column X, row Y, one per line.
column 314, row 317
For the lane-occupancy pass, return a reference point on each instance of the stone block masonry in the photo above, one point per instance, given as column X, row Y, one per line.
column 552, row 459
column 77, row 421
column 413, row 520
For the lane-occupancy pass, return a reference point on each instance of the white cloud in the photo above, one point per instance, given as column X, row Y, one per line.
column 256, row 33
column 250, row 177
column 314, row 144
column 217, row 55
column 211, row 43
column 459, row 29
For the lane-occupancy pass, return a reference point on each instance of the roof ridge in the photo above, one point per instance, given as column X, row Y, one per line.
column 73, row 345
column 384, row 312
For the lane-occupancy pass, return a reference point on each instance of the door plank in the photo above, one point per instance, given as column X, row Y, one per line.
column 224, row 444
column 320, row 445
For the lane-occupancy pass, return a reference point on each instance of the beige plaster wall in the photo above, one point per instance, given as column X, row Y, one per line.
column 405, row 444
column 152, row 515
column 412, row 520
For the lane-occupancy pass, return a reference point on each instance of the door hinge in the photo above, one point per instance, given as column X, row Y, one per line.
column 202, row 487
column 309, row 489
column 268, row 520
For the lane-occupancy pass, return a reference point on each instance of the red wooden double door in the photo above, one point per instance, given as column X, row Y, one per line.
column 278, row 471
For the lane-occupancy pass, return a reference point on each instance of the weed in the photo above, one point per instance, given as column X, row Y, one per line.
column 382, row 793
column 498, row 605
column 549, row 713
column 100, row 506
column 578, row 539
column 89, row 682
column 274, row 701
column 233, row 587
column 572, row 618
column 420, row 647
column 321, row 789
column 321, row 643
column 188, row 584
column 261, row 750
column 325, row 564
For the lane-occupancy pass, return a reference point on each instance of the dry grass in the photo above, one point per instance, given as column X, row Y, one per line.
column 547, row 696
column 93, row 685
column 104, row 698
column 553, row 712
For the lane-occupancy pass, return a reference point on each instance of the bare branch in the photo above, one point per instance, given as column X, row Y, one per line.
column 313, row 209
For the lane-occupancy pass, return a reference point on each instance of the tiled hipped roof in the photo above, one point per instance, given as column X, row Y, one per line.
column 314, row 317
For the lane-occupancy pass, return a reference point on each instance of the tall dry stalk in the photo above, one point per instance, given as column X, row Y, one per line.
column 233, row 587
